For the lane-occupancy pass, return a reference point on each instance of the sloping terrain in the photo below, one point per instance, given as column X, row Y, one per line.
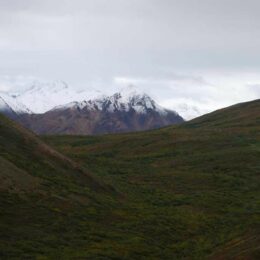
column 193, row 191
column 44, row 197
column 27, row 152
column 241, row 115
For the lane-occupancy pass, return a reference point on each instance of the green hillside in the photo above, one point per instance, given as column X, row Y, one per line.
column 183, row 192
column 240, row 115
column 193, row 190
column 45, row 198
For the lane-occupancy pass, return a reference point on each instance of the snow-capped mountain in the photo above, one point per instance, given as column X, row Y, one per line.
column 11, row 106
column 125, row 111
column 58, row 109
column 42, row 96
column 129, row 98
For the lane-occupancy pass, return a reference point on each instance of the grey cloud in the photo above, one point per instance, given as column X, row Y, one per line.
column 162, row 43
column 255, row 88
column 143, row 24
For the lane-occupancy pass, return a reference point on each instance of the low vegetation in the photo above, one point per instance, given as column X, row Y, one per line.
column 182, row 192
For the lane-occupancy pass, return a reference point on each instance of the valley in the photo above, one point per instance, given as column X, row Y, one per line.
column 129, row 130
column 189, row 191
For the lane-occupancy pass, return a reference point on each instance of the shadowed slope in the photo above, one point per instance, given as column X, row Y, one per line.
column 28, row 153
column 45, row 198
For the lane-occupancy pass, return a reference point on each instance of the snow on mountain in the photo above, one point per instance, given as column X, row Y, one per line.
column 129, row 98
column 126, row 111
column 9, row 104
column 43, row 95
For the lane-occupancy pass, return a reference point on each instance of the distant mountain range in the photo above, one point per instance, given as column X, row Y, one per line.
column 57, row 109
column 42, row 96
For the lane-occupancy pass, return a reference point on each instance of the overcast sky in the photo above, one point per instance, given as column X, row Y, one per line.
column 204, row 52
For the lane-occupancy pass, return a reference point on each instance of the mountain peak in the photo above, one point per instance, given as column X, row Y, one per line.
column 127, row 99
column 133, row 98
column 122, row 112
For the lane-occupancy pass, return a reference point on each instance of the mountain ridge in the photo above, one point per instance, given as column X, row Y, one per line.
column 42, row 95
column 90, row 112
column 121, row 112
